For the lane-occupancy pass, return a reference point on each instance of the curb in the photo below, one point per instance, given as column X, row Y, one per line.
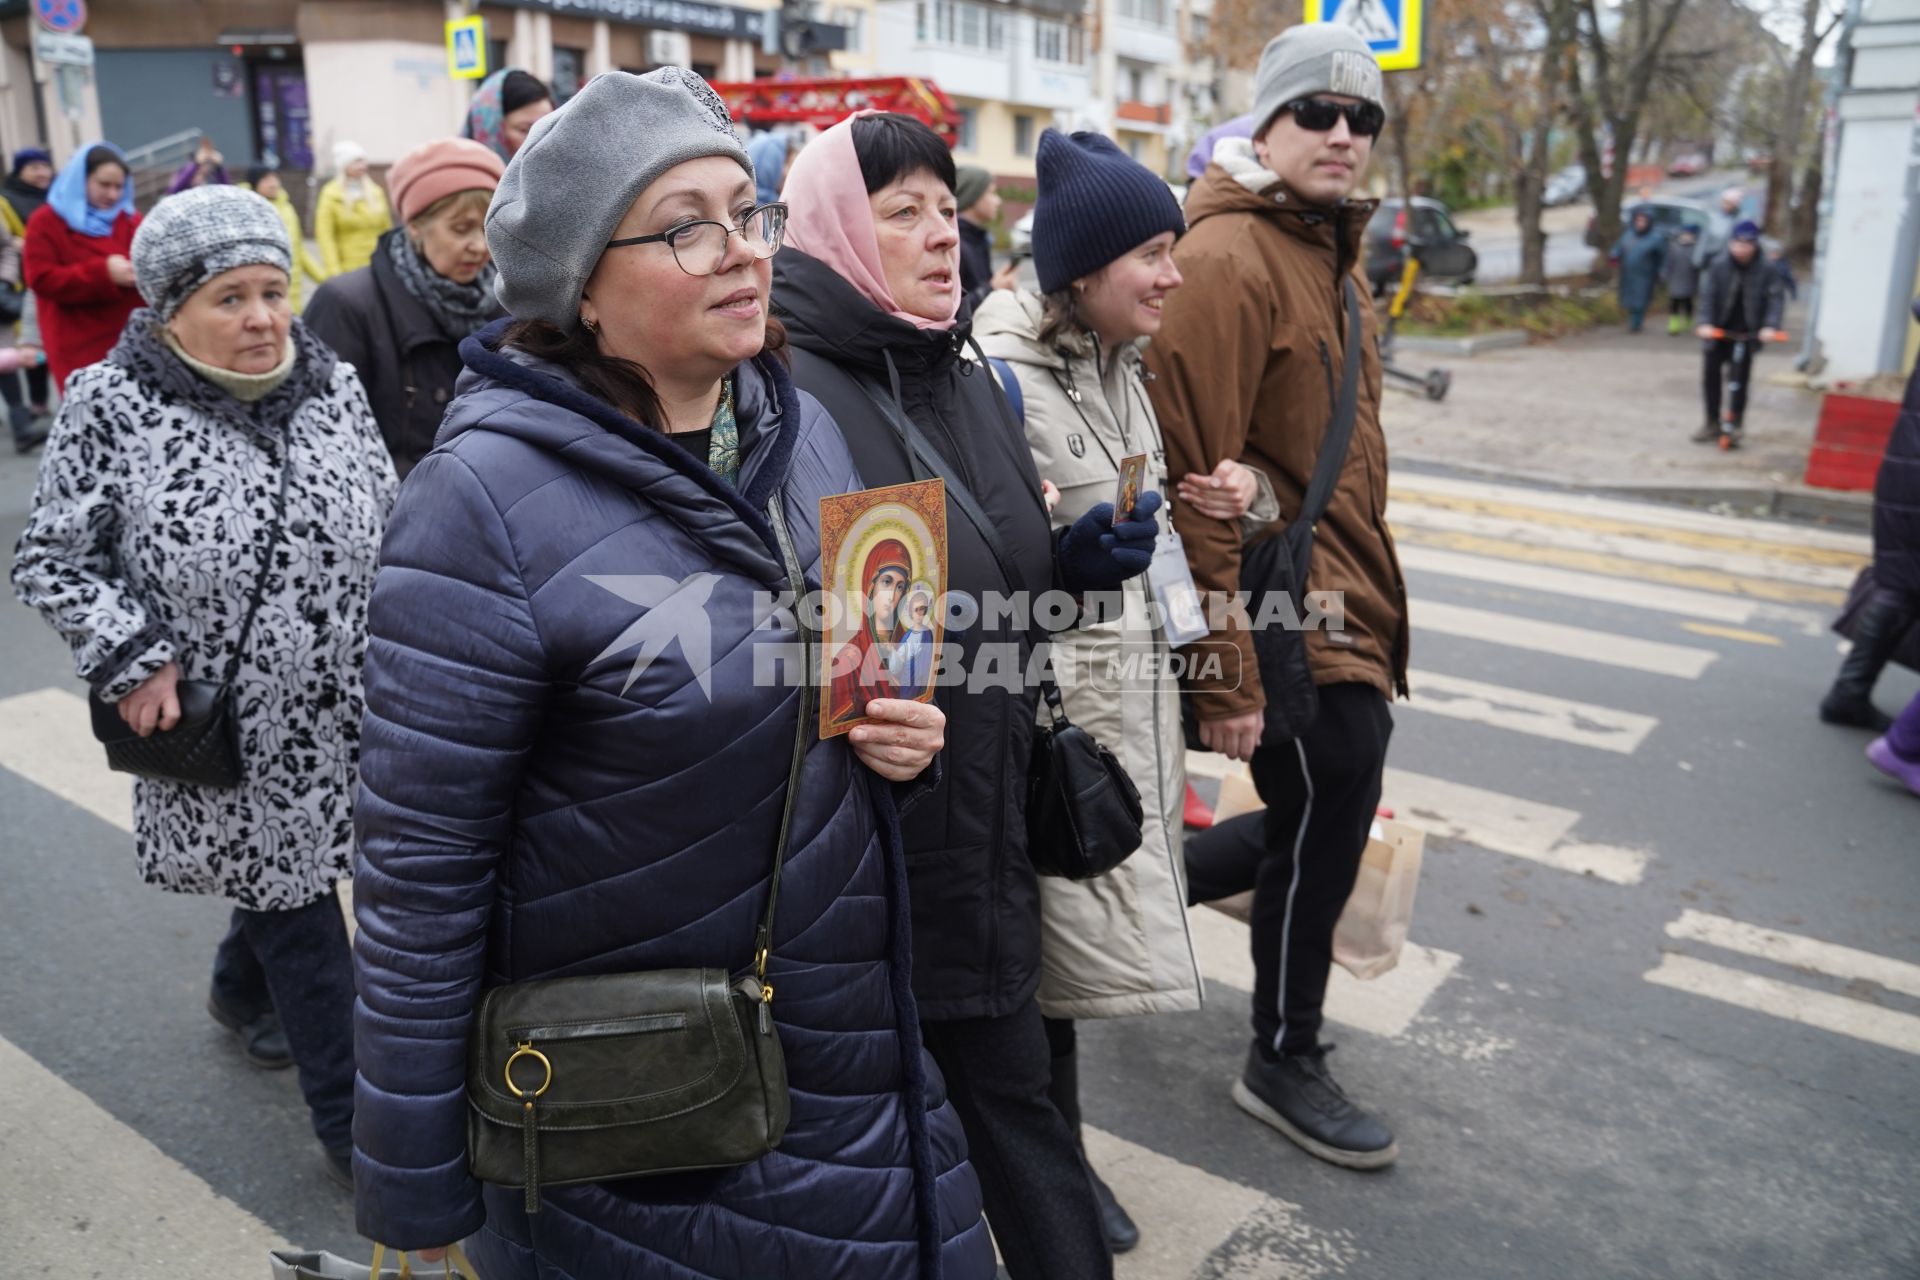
column 1793, row 503
column 1464, row 347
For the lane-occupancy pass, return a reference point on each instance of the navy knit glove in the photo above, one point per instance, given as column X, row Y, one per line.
column 1097, row 554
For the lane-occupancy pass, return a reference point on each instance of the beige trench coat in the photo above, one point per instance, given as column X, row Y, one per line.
column 1117, row 945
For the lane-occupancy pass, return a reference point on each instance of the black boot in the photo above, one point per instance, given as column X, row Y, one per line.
column 1064, row 1090
column 1877, row 632
column 28, row 433
column 1297, row 1095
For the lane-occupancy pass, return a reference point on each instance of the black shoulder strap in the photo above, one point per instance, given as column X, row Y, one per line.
column 797, row 579
column 928, row 457
column 1339, row 437
column 266, row 563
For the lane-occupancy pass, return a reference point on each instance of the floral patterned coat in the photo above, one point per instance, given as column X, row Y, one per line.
column 145, row 540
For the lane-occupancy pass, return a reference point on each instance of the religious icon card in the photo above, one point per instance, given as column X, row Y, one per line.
column 1133, row 478
column 883, row 554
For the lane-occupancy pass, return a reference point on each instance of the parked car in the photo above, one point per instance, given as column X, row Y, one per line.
column 1759, row 162
column 1670, row 213
column 1569, row 186
column 1690, row 165
column 1427, row 229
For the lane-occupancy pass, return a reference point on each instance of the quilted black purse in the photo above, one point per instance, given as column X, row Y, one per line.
column 1084, row 815
column 203, row 749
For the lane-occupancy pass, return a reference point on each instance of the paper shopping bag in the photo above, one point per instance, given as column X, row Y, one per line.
column 291, row 1264
column 1373, row 926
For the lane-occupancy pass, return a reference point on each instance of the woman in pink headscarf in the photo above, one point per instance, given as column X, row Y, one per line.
column 868, row 287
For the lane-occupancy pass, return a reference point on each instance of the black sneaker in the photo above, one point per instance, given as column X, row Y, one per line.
column 262, row 1039
column 1296, row 1095
column 339, row 1165
column 1121, row 1232
column 1708, row 434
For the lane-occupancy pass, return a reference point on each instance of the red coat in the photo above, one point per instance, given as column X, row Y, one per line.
column 81, row 310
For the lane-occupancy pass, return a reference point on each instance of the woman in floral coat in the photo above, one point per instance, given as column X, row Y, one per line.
column 154, row 515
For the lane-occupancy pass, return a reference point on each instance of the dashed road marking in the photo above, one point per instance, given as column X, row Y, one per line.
column 1733, row 633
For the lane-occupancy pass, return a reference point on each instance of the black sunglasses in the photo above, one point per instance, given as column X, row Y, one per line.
column 1317, row 115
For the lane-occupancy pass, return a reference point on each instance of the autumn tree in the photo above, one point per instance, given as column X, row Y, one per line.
column 1610, row 87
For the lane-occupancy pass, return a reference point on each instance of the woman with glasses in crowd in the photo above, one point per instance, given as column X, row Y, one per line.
column 575, row 760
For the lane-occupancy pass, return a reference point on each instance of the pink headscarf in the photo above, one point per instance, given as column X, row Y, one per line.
column 830, row 219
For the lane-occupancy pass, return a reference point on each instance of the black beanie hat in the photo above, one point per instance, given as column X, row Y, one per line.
column 520, row 88
column 1096, row 203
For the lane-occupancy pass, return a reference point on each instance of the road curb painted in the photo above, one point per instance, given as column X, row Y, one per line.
column 1464, row 347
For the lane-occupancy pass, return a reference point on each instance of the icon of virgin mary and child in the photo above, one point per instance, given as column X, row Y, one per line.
column 892, row 654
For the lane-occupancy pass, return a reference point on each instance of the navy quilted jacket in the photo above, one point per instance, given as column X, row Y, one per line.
column 1896, row 498
column 536, row 804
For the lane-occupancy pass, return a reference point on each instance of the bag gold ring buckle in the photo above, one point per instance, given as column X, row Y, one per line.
column 526, row 1050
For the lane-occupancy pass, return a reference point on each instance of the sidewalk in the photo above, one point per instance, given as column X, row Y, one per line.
column 1607, row 410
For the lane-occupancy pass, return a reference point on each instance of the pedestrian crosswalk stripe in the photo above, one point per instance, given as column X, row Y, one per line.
column 1542, row 715
column 1505, row 824
column 1530, row 531
column 89, row 1196
column 1840, row 1014
column 1732, row 633
column 1596, row 587
column 1831, row 959
column 1385, row 1006
column 1581, row 561
column 1196, row 1225
column 1630, row 652
column 46, row 737
column 1806, row 544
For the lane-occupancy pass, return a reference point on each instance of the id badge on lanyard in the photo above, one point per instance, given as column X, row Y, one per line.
column 1182, row 618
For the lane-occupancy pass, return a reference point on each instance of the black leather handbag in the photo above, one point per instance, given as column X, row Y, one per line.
column 203, row 749
column 612, row 1076
column 1084, row 815
column 1280, row 563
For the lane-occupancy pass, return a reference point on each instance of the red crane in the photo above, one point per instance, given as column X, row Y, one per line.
column 823, row 103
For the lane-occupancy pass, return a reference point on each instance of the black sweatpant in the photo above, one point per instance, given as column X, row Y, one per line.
column 1300, row 856
column 1680, row 306
column 299, row 965
column 1039, row 1202
column 1738, row 366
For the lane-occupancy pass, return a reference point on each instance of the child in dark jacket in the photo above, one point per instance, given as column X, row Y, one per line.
column 1682, row 279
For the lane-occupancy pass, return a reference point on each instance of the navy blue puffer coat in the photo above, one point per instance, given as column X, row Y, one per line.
column 535, row 805
column 1896, row 498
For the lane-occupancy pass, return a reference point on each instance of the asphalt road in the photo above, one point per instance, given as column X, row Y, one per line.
column 1644, row 792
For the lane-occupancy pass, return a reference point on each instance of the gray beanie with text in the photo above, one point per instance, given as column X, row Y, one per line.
column 1317, row 57
column 581, row 169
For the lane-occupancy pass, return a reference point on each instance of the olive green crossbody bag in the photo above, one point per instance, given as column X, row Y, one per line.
column 595, row 1078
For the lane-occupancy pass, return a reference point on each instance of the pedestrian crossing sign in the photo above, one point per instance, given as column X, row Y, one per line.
column 467, row 48
column 1390, row 27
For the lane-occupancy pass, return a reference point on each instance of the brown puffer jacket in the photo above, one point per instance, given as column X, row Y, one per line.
column 1246, row 364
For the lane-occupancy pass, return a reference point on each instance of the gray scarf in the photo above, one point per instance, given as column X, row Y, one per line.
column 457, row 309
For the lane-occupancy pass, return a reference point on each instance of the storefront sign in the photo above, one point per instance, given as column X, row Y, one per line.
column 720, row 20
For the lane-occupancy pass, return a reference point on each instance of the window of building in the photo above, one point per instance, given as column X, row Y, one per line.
column 969, row 131
column 1136, row 79
column 496, row 55
column 1135, row 145
column 1023, row 135
column 855, row 21
column 569, row 72
column 1200, row 29
column 1153, row 12
column 1059, row 42
column 961, row 23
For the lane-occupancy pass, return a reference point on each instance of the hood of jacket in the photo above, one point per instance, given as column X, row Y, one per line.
column 827, row 316
column 515, row 394
column 1008, row 326
column 1236, row 182
column 146, row 358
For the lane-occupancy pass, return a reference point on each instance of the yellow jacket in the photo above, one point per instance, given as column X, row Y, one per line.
column 347, row 232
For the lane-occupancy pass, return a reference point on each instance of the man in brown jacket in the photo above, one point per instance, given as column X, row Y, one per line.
column 1246, row 366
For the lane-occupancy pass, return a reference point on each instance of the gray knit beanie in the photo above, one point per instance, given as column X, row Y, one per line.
column 1318, row 57
column 192, row 237
column 581, row 169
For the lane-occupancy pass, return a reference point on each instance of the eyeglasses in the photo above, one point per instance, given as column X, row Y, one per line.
column 700, row 247
column 1317, row 115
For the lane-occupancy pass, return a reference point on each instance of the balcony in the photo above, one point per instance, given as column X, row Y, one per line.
column 1143, row 113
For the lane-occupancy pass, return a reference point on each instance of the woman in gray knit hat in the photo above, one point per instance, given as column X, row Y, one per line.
column 583, row 731
column 219, row 438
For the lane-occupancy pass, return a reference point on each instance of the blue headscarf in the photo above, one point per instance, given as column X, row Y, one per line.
column 68, row 194
column 768, row 151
